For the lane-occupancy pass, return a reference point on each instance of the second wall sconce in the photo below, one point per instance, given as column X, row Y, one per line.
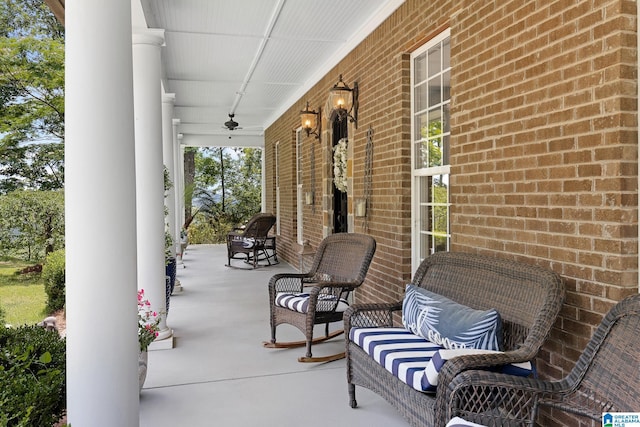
column 344, row 100
column 311, row 121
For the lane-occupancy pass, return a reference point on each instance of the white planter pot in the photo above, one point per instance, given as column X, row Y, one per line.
column 143, row 358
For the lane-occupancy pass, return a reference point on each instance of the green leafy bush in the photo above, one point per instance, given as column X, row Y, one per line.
column 32, row 377
column 53, row 274
column 1, row 317
column 205, row 229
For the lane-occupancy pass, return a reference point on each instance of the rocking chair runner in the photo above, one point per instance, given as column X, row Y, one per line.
column 320, row 295
column 249, row 241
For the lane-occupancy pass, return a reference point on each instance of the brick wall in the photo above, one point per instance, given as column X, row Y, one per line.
column 543, row 148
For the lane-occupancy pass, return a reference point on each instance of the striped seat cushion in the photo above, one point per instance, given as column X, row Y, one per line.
column 300, row 302
column 414, row 360
column 459, row 422
column 399, row 351
column 440, row 358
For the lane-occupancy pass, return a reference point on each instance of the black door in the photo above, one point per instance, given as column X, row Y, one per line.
column 339, row 197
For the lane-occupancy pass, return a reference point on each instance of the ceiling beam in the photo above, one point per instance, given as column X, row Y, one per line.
column 256, row 59
column 231, row 140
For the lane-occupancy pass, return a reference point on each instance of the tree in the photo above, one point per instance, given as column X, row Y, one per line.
column 245, row 184
column 228, row 190
column 31, row 97
column 31, row 223
column 189, row 186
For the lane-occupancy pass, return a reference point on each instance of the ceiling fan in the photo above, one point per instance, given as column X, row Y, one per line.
column 231, row 124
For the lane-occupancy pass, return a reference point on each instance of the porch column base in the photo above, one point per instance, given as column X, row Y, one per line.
column 163, row 344
column 177, row 288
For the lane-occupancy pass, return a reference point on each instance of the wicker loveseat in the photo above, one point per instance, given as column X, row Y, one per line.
column 528, row 299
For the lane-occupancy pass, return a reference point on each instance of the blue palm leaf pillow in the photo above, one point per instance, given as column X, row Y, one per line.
column 449, row 324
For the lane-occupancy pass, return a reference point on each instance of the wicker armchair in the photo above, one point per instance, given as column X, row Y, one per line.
column 527, row 297
column 249, row 241
column 605, row 379
column 319, row 296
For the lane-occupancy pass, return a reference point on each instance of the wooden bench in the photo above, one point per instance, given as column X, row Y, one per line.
column 527, row 297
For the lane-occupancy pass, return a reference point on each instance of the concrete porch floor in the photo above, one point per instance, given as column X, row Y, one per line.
column 218, row 373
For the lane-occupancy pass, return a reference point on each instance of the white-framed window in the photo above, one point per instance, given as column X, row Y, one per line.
column 430, row 135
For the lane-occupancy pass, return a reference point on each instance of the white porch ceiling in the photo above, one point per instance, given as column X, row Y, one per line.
column 251, row 58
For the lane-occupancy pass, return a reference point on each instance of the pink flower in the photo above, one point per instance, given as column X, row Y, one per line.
column 148, row 322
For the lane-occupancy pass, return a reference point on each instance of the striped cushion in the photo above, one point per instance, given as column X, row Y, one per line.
column 440, row 357
column 399, row 351
column 414, row 360
column 459, row 422
column 300, row 302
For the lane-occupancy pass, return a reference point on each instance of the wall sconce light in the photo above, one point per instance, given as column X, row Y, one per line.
column 311, row 121
column 361, row 207
column 308, row 198
column 344, row 100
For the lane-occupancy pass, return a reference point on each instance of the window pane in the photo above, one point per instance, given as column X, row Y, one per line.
column 425, row 245
column 435, row 121
column 425, row 185
column 435, row 152
column 440, row 244
column 440, row 189
column 435, row 65
column 420, row 68
column 446, row 53
column 420, row 97
column 446, row 86
column 425, row 215
column 445, row 119
column 434, row 212
column 440, row 220
column 445, row 150
column 435, row 91
column 421, row 126
column 422, row 154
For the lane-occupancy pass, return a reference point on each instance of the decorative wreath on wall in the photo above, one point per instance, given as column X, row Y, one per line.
column 340, row 165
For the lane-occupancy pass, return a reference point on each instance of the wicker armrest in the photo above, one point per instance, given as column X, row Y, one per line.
column 286, row 282
column 495, row 399
column 370, row 315
column 457, row 366
column 317, row 287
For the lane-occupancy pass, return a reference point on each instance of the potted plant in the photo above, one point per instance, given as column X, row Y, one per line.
column 170, row 261
column 148, row 329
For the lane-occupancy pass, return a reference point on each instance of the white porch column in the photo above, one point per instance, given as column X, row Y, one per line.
column 180, row 173
column 168, row 157
column 100, row 216
column 263, row 185
column 179, row 196
column 150, row 174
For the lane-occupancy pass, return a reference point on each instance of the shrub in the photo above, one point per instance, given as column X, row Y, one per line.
column 32, row 377
column 205, row 229
column 1, row 317
column 53, row 274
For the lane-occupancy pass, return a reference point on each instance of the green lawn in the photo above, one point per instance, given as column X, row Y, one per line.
column 22, row 297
